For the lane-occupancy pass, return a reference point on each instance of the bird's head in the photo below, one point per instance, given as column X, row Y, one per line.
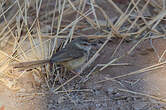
column 82, row 43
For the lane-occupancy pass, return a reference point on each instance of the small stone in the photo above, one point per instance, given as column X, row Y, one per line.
column 61, row 99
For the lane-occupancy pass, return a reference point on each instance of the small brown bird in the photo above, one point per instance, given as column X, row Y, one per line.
column 74, row 55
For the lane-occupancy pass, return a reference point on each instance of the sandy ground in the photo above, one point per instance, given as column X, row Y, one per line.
column 107, row 95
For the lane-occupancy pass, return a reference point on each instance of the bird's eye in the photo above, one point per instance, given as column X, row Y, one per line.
column 86, row 44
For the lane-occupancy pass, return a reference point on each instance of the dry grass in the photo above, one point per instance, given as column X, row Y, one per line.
column 32, row 30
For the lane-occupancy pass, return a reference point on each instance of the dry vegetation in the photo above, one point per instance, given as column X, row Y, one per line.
column 111, row 79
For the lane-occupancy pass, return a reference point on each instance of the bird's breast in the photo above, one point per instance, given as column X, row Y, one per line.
column 76, row 63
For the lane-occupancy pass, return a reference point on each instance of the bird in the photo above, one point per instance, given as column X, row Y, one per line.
column 72, row 56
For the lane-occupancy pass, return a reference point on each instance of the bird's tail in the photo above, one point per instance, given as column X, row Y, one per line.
column 29, row 64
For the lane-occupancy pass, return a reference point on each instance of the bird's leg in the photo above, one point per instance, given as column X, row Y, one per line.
column 76, row 73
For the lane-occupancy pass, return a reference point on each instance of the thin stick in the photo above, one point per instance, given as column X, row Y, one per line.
column 143, row 94
column 146, row 69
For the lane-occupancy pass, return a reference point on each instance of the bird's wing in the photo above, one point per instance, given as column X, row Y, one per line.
column 66, row 55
